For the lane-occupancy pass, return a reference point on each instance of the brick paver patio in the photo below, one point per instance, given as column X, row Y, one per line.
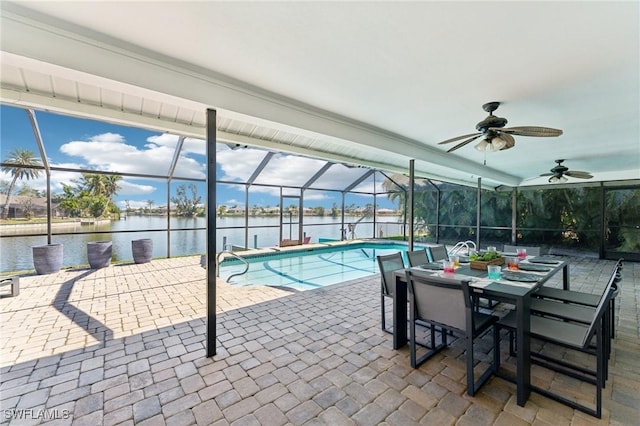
column 125, row 345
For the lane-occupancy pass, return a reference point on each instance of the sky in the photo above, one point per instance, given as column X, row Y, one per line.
column 76, row 143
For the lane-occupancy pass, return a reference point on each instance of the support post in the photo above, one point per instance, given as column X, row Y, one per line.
column 172, row 170
column 246, row 216
column 45, row 162
column 412, row 177
column 514, row 215
column 169, row 217
column 211, row 232
column 342, row 231
column 603, row 224
column 478, row 207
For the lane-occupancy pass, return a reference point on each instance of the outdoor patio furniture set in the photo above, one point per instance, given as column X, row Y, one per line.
column 448, row 304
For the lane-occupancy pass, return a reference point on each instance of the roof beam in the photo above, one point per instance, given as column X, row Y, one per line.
column 317, row 175
column 40, row 102
column 359, row 180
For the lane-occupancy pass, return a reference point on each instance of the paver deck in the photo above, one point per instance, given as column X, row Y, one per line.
column 126, row 345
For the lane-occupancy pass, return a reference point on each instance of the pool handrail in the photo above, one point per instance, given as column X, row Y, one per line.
column 463, row 245
column 235, row 256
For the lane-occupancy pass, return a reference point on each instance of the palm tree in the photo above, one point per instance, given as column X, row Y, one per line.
column 103, row 188
column 18, row 158
column 111, row 186
column 94, row 183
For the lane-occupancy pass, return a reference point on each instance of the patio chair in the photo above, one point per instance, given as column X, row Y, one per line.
column 570, row 335
column 446, row 303
column 12, row 284
column 531, row 251
column 388, row 264
column 582, row 314
column 436, row 253
column 417, row 257
column 554, row 295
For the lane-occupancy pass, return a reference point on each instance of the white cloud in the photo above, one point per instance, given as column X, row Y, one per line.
column 190, row 145
column 134, row 204
column 130, row 188
column 289, row 170
column 316, row 196
column 165, row 139
column 233, row 202
column 111, row 152
column 239, row 165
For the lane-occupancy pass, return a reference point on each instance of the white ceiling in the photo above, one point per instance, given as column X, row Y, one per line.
column 375, row 83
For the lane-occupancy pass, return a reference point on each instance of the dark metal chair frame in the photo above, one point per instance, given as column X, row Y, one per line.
column 581, row 314
column 573, row 305
column 570, row 335
column 417, row 257
column 471, row 326
column 587, row 299
column 436, row 253
column 386, row 281
column 388, row 288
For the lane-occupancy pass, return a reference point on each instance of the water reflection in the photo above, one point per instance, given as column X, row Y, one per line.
column 16, row 252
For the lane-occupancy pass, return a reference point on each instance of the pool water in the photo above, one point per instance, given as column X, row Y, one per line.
column 309, row 269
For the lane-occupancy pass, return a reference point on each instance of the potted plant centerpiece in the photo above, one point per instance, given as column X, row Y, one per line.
column 482, row 260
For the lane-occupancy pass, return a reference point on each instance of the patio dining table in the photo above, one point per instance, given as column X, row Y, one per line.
column 510, row 291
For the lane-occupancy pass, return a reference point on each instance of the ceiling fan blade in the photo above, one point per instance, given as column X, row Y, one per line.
column 511, row 142
column 463, row 143
column 529, row 131
column 578, row 174
column 547, row 174
column 458, row 138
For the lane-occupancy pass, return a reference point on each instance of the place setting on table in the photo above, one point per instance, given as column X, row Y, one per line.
column 522, row 269
column 448, row 266
column 483, row 268
column 433, row 266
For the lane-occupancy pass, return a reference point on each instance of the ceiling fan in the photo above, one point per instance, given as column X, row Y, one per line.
column 496, row 136
column 559, row 173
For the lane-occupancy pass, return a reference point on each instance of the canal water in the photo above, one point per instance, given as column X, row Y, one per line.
column 16, row 252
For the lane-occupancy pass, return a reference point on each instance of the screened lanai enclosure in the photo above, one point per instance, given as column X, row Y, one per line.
column 72, row 181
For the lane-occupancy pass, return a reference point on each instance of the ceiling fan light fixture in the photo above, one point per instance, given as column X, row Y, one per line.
column 482, row 145
column 497, row 136
column 556, row 179
column 498, row 143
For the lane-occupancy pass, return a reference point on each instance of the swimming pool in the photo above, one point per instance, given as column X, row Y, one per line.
column 310, row 268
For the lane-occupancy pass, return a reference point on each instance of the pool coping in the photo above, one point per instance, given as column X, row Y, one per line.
column 251, row 253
